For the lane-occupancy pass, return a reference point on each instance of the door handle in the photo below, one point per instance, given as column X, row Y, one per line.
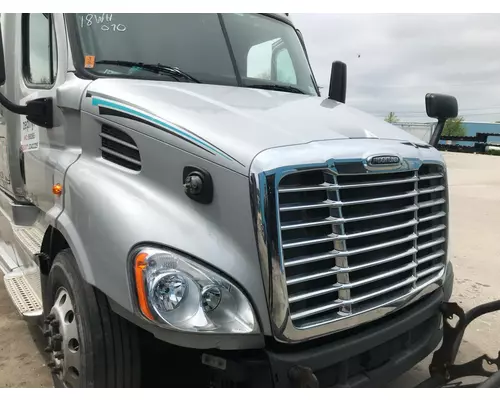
column 21, row 164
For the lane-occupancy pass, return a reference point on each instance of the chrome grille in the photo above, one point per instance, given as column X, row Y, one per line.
column 351, row 241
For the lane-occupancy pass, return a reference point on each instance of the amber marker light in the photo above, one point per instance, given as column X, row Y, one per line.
column 57, row 189
column 140, row 266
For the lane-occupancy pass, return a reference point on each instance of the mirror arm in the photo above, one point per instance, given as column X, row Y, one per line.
column 438, row 130
column 38, row 111
column 9, row 105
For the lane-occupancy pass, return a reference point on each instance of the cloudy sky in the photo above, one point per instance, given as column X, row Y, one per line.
column 404, row 56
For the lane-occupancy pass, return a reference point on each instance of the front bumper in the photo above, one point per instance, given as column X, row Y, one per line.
column 367, row 356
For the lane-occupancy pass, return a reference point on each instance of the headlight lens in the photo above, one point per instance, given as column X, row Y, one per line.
column 176, row 291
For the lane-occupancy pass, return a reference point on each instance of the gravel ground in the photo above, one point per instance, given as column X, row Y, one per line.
column 475, row 251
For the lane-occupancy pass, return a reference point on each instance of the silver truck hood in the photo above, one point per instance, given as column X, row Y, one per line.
column 230, row 125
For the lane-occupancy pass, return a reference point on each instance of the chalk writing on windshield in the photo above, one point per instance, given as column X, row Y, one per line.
column 103, row 21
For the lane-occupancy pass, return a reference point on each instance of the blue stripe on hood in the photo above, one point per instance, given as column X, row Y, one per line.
column 117, row 106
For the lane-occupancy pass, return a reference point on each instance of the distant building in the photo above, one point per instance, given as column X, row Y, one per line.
column 423, row 130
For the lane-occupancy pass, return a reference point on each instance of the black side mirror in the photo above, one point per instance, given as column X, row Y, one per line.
column 338, row 82
column 441, row 107
column 2, row 61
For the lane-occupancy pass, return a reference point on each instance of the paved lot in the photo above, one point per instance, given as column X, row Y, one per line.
column 21, row 361
column 475, row 249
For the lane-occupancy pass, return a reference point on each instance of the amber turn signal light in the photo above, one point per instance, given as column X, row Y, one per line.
column 140, row 265
column 57, row 189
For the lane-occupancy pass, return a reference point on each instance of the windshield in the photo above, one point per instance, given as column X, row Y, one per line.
column 225, row 49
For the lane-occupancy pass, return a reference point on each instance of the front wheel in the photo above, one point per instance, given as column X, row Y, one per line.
column 88, row 344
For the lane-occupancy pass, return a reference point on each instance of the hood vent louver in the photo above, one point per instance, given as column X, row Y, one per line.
column 119, row 148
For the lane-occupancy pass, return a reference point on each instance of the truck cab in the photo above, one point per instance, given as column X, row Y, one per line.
column 177, row 184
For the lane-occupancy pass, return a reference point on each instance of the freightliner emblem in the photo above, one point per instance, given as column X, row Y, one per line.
column 382, row 160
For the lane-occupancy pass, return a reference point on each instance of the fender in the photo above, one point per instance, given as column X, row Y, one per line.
column 109, row 210
column 67, row 228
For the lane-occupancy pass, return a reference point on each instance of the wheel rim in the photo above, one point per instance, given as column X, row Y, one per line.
column 63, row 340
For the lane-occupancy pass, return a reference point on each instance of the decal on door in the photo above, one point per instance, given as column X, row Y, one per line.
column 30, row 135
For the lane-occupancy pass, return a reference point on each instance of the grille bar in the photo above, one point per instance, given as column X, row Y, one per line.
column 330, row 203
column 300, row 189
column 430, row 176
column 432, row 230
column 339, row 304
column 329, row 186
column 384, row 260
column 331, row 237
column 433, row 216
column 431, row 190
column 334, row 254
column 431, row 203
column 351, row 242
column 331, row 220
column 431, row 244
column 308, row 277
column 370, row 307
column 430, row 271
column 431, row 257
column 304, row 296
column 326, row 203
column 379, row 199
column 326, row 221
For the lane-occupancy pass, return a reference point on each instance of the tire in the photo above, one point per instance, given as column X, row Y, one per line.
column 88, row 344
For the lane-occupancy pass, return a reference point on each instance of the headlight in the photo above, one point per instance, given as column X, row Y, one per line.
column 178, row 292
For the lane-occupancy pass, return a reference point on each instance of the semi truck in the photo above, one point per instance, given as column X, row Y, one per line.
column 179, row 201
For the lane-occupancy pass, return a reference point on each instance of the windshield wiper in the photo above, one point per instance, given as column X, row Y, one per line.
column 281, row 88
column 174, row 72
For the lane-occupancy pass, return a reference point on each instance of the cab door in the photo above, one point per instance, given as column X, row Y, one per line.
column 43, row 66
